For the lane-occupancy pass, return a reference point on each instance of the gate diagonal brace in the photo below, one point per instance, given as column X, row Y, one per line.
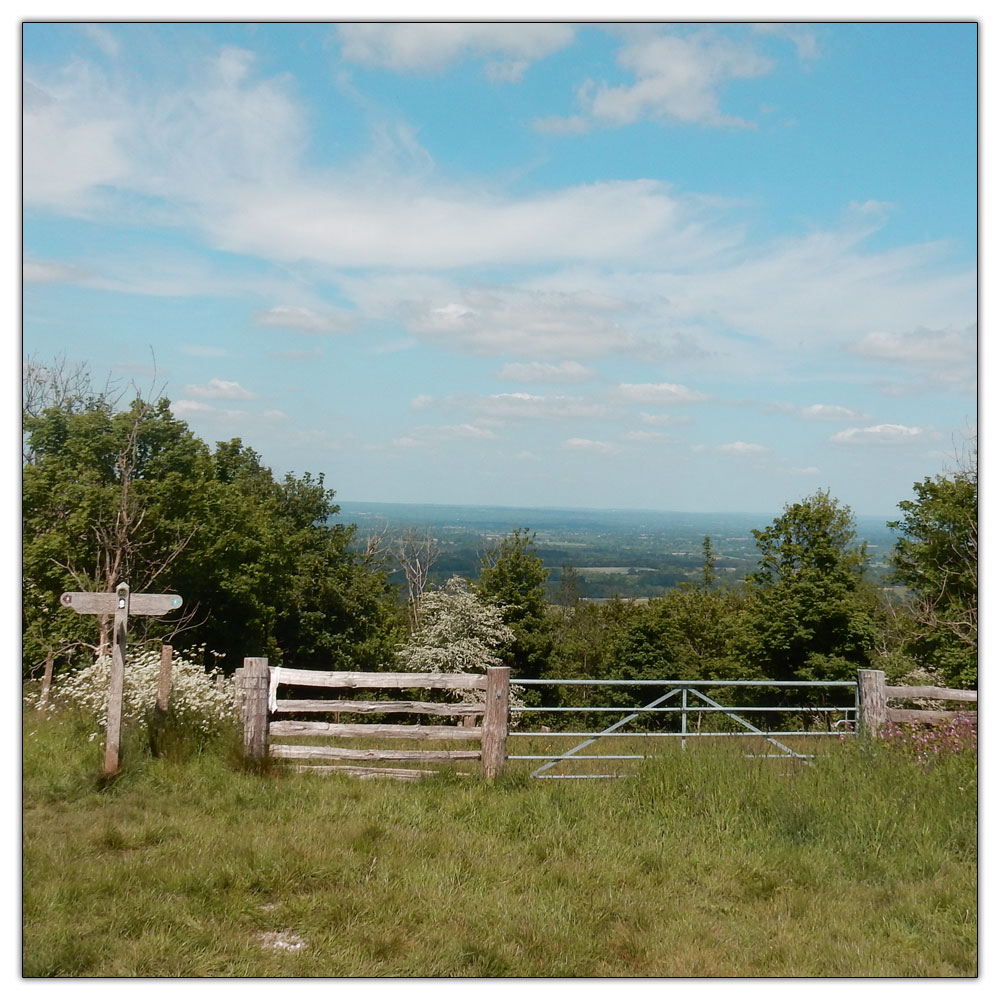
column 752, row 728
column 617, row 725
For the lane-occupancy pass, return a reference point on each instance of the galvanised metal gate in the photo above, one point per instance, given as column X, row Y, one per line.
column 691, row 699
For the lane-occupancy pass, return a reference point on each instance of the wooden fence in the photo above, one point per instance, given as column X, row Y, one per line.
column 874, row 695
column 256, row 688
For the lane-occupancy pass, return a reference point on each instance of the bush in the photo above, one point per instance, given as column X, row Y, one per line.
column 201, row 705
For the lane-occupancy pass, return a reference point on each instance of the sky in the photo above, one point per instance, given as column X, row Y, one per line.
column 676, row 266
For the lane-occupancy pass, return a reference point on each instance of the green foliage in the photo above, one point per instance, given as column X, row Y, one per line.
column 513, row 576
column 808, row 614
column 134, row 496
column 937, row 558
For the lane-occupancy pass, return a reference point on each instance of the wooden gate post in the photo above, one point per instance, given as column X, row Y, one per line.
column 872, row 711
column 494, row 736
column 255, row 682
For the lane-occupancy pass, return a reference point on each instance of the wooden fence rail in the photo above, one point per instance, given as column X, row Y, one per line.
column 874, row 696
column 256, row 693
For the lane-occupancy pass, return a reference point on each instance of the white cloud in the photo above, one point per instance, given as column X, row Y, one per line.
column 495, row 320
column 587, row 445
column 742, row 448
column 218, row 388
column 538, row 371
column 661, row 393
column 663, row 419
column 677, row 78
column 643, row 436
column 881, row 434
column 50, row 272
column 507, row 406
column 800, row 35
column 183, row 407
column 921, row 346
column 427, row 437
column 431, row 47
column 301, row 318
column 826, row 411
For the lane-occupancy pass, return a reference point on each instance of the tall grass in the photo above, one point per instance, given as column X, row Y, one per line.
column 701, row 864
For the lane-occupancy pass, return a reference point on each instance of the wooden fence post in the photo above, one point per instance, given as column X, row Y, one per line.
column 255, row 682
column 163, row 687
column 494, row 736
column 872, row 710
column 43, row 701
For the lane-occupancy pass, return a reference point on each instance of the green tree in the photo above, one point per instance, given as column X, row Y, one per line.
column 513, row 576
column 937, row 558
column 808, row 614
column 132, row 494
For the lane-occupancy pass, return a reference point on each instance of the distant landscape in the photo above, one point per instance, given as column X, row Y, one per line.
column 624, row 553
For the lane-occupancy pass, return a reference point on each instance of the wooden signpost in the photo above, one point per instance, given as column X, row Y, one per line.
column 121, row 604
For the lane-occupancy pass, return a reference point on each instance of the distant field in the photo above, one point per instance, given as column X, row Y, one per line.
column 698, row 864
column 664, row 548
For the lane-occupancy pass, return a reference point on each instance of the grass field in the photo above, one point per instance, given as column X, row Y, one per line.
column 699, row 864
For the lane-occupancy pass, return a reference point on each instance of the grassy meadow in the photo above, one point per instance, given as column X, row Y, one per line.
column 698, row 864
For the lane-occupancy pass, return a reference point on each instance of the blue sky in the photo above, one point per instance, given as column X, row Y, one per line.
column 676, row 266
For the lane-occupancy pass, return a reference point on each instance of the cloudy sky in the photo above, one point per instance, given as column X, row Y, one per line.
column 675, row 266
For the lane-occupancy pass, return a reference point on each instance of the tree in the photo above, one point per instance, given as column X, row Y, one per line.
column 457, row 632
column 513, row 576
column 808, row 613
column 106, row 496
column 417, row 554
column 937, row 558
column 131, row 494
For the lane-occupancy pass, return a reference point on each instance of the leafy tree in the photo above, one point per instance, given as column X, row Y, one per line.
column 457, row 632
column 132, row 494
column 937, row 558
column 513, row 576
column 808, row 613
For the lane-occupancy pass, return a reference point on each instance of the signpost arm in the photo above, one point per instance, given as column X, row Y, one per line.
column 117, row 686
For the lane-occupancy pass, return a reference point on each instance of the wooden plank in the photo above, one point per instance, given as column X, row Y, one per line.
column 346, row 730
column 84, row 603
column 154, row 604
column 397, row 773
column 374, row 679
column 925, row 715
column 341, row 753
column 941, row 694
column 374, row 707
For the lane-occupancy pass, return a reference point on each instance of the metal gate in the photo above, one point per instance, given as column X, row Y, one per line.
column 689, row 697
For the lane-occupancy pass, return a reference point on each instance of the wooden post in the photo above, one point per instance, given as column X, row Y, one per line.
column 255, row 682
column 494, row 737
column 116, row 687
column 872, row 710
column 43, row 701
column 163, row 687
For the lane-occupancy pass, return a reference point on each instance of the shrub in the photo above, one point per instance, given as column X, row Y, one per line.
column 200, row 703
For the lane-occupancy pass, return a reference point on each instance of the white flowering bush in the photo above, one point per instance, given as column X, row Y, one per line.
column 458, row 633
column 199, row 702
